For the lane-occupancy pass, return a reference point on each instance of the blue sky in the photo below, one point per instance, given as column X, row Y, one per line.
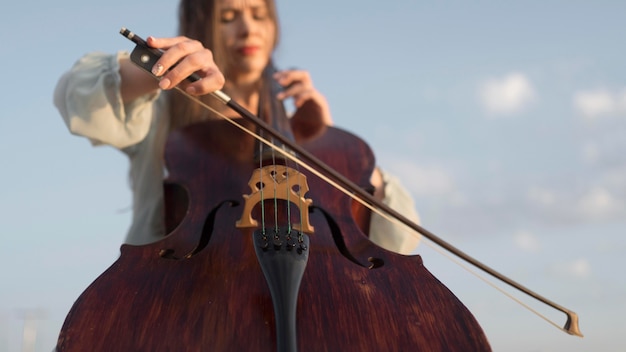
column 506, row 121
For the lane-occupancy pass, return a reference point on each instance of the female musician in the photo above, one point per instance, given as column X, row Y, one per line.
column 111, row 101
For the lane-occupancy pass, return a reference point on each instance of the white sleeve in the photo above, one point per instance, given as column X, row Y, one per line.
column 89, row 100
column 389, row 235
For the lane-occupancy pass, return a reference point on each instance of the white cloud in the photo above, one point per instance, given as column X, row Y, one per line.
column 542, row 196
column 506, row 95
column 604, row 143
column 424, row 180
column 591, row 152
column 615, row 178
column 579, row 268
column 526, row 241
column 600, row 102
column 599, row 203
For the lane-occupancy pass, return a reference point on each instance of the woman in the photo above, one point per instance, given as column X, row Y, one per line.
column 109, row 100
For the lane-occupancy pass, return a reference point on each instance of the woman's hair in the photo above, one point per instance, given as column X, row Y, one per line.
column 201, row 20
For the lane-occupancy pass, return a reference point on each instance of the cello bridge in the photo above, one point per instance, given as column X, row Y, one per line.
column 277, row 182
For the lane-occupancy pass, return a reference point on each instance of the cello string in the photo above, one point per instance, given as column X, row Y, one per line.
column 288, row 205
column 267, row 107
column 369, row 206
column 297, row 161
column 287, row 155
column 262, row 188
column 273, row 174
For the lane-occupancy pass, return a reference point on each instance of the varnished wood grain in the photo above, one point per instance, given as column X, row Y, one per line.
column 218, row 299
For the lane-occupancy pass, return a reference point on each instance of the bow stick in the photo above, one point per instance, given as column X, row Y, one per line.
column 145, row 57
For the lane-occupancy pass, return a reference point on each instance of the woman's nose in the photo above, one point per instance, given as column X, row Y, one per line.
column 247, row 25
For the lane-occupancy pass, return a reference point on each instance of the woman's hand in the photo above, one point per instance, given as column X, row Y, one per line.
column 181, row 58
column 313, row 114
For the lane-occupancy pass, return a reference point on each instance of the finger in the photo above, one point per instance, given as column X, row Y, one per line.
column 200, row 61
column 303, row 97
column 298, row 92
column 291, row 90
column 164, row 63
column 164, row 43
column 173, row 49
column 288, row 77
column 212, row 80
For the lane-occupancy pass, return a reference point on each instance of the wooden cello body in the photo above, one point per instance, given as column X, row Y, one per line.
column 211, row 286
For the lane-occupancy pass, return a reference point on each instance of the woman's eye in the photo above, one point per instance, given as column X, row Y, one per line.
column 260, row 14
column 227, row 16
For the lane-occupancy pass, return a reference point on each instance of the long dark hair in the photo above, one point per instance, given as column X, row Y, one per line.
column 200, row 20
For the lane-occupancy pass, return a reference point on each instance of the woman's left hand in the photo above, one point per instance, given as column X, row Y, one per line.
column 313, row 113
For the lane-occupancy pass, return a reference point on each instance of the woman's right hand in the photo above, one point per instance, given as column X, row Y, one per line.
column 181, row 58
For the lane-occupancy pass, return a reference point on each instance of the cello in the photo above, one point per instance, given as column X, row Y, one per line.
column 264, row 256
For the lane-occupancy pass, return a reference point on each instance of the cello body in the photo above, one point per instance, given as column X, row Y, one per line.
column 204, row 287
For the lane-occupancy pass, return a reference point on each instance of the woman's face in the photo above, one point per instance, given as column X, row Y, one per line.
column 248, row 34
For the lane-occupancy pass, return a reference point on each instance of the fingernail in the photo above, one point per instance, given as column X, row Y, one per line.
column 157, row 69
column 164, row 83
column 191, row 90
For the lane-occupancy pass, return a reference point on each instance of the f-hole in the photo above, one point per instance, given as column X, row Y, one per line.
column 176, row 205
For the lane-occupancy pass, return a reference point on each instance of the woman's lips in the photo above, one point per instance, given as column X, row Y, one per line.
column 248, row 50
